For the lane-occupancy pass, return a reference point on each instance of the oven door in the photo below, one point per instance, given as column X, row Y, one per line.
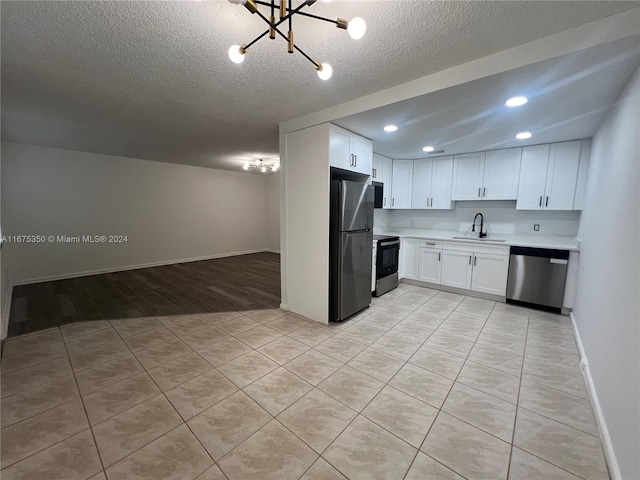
column 388, row 258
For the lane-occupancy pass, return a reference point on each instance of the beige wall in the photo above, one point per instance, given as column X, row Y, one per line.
column 168, row 212
column 273, row 212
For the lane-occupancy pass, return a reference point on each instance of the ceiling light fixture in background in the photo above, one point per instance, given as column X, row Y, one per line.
column 356, row 29
column 390, row 128
column 523, row 135
column 428, row 149
column 264, row 167
column 516, row 101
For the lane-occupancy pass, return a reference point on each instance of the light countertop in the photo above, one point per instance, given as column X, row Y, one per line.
column 558, row 242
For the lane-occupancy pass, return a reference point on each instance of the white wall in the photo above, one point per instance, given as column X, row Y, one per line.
column 607, row 305
column 306, row 264
column 273, row 212
column 169, row 212
column 499, row 217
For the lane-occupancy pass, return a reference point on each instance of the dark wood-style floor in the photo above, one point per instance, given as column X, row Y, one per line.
column 245, row 282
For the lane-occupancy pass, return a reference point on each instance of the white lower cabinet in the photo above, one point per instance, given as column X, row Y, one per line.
column 409, row 257
column 480, row 268
column 456, row 269
column 467, row 266
column 430, row 265
column 490, row 273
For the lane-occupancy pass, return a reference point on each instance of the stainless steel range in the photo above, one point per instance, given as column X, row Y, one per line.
column 387, row 261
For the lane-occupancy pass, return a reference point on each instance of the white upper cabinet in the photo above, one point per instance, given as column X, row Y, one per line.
column 362, row 150
column 486, row 175
column 468, row 170
column 350, row 151
column 421, row 184
column 548, row 176
column 401, row 183
column 501, row 174
column 431, row 183
column 441, row 178
column 533, row 176
column 382, row 169
column 581, row 184
column 562, row 175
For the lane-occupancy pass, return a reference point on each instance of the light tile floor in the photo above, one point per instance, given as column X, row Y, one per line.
column 423, row 384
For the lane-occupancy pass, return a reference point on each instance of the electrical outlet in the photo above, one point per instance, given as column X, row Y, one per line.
column 536, row 227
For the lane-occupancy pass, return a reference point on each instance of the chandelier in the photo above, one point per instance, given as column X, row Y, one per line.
column 264, row 167
column 356, row 29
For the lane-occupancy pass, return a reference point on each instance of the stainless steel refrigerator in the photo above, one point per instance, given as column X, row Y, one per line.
column 350, row 248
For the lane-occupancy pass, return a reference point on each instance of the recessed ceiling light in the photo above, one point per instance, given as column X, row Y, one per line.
column 516, row 101
column 390, row 128
column 428, row 149
column 523, row 135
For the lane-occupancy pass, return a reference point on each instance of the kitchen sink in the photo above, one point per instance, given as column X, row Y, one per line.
column 481, row 239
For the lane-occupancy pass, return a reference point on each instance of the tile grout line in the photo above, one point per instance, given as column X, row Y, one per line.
column 448, row 393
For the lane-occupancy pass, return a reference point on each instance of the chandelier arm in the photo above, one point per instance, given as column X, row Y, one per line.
column 296, row 47
column 317, row 17
column 256, row 39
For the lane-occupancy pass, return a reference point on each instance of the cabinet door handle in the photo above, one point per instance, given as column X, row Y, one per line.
column 355, row 160
column 479, row 190
column 374, row 173
column 546, row 202
column 469, row 259
column 439, row 256
column 429, row 243
column 475, row 259
column 432, row 201
column 484, row 192
column 384, row 201
column 351, row 160
column 393, row 201
column 540, row 204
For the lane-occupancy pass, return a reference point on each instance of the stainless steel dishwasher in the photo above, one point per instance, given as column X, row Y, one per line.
column 537, row 277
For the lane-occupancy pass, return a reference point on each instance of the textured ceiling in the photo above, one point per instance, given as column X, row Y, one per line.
column 569, row 96
column 152, row 80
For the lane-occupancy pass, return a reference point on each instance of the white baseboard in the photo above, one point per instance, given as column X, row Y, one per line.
column 605, row 438
column 135, row 267
column 284, row 306
column 272, row 250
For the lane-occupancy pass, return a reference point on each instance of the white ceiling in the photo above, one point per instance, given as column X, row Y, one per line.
column 569, row 97
column 152, row 80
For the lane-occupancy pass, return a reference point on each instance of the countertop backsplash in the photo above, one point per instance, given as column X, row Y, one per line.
column 499, row 217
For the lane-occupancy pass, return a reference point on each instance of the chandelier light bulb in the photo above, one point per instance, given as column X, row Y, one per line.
column 245, row 166
column 357, row 28
column 235, row 54
column 326, row 71
column 258, row 162
column 263, row 169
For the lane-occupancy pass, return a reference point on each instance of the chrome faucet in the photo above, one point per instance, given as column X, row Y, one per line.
column 473, row 227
